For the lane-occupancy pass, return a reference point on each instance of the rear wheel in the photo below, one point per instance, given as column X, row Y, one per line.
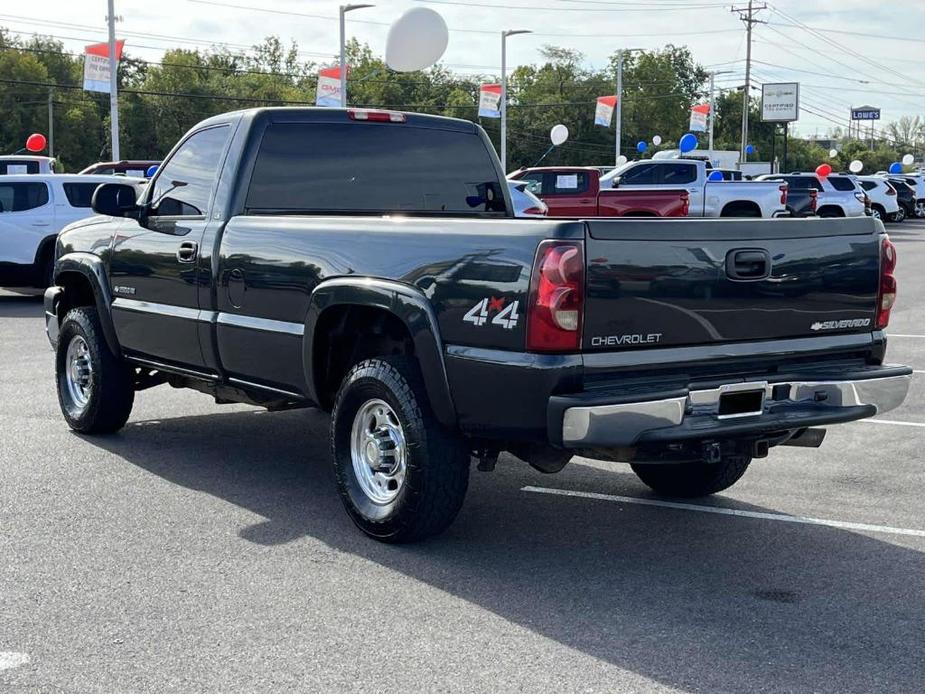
column 877, row 212
column 400, row 476
column 95, row 387
column 920, row 209
column 693, row 479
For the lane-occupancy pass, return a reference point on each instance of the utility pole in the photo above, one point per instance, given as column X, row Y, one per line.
column 51, row 123
column 113, row 82
column 747, row 15
column 344, row 9
column 618, row 111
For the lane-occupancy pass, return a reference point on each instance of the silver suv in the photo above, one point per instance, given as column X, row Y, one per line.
column 838, row 195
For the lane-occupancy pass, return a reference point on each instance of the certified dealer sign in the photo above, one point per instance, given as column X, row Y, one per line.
column 780, row 102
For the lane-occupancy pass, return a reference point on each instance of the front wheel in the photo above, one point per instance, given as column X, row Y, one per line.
column 693, row 479
column 95, row 387
column 400, row 476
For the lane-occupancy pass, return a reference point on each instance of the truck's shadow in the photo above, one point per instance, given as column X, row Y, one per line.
column 698, row 602
column 20, row 305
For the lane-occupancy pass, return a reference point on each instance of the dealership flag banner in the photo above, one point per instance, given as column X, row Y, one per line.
column 490, row 101
column 96, row 66
column 603, row 114
column 328, row 91
column 699, row 117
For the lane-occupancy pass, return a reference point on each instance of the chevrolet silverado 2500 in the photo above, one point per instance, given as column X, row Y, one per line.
column 329, row 258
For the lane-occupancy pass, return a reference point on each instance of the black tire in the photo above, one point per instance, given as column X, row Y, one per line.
column 878, row 212
column 436, row 462
column 110, row 392
column 693, row 479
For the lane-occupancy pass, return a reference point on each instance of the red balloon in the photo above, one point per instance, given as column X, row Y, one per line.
column 36, row 142
column 823, row 170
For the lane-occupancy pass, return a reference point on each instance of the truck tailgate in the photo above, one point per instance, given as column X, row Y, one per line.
column 655, row 283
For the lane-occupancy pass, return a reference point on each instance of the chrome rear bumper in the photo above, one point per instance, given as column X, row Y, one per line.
column 697, row 413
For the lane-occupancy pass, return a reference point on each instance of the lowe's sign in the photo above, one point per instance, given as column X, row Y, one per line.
column 865, row 113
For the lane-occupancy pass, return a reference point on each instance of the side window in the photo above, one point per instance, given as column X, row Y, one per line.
column 642, row 175
column 184, row 183
column 841, row 183
column 566, row 183
column 678, row 174
column 805, row 182
column 534, row 183
column 868, row 185
column 79, row 194
column 19, row 197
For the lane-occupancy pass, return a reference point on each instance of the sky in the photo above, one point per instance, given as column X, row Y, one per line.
column 844, row 53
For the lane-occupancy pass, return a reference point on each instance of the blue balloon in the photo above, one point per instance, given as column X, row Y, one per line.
column 151, row 171
column 641, row 146
column 896, row 168
column 687, row 143
column 749, row 149
column 715, row 176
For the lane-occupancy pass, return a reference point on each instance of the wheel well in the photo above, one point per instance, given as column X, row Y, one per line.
column 77, row 292
column 831, row 210
column 741, row 208
column 346, row 335
column 880, row 208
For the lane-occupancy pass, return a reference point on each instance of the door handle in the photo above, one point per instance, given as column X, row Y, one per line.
column 748, row 264
column 41, row 224
column 187, row 252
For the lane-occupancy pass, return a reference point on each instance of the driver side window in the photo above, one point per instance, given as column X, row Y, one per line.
column 185, row 182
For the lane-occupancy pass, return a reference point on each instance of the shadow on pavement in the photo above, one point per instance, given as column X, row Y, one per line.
column 21, row 305
column 698, row 602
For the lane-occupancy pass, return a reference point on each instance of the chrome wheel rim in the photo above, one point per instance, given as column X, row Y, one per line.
column 78, row 371
column 875, row 214
column 920, row 209
column 378, row 451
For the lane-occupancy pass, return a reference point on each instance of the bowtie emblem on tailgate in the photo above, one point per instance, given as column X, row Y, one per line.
column 745, row 264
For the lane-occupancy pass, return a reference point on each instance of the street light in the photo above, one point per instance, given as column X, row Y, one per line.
column 713, row 102
column 504, row 35
column 618, row 113
column 344, row 9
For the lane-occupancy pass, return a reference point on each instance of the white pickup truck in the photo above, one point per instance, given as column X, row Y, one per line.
column 707, row 198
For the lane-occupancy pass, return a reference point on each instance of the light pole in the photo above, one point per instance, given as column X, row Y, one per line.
column 504, row 35
column 113, row 83
column 618, row 112
column 713, row 102
column 344, row 9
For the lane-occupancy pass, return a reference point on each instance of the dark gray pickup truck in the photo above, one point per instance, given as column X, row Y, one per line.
column 368, row 263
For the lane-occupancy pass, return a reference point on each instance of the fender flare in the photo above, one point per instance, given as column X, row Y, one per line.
column 406, row 303
column 91, row 267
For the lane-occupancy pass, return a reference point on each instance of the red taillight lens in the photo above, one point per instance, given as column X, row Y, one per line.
column 783, row 194
column 686, row 201
column 376, row 116
column 890, row 190
column 556, row 297
column 813, row 199
column 536, row 210
column 887, row 294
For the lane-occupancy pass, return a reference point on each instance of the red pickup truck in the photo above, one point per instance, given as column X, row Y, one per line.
column 575, row 191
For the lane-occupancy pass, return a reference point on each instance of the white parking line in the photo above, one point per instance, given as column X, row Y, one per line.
column 844, row 525
column 899, row 335
column 11, row 659
column 893, row 421
column 918, row 371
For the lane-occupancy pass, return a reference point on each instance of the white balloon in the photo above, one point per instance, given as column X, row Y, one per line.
column 416, row 40
column 558, row 134
column 621, row 160
column 657, row 140
column 908, row 160
column 856, row 166
column 833, row 153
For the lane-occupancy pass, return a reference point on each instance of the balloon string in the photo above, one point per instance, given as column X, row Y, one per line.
column 551, row 148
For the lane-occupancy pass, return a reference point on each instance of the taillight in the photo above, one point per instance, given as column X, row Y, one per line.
column 783, row 194
column 556, row 297
column 887, row 295
column 686, row 203
column 541, row 211
column 890, row 190
column 862, row 197
column 813, row 198
column 376, row 116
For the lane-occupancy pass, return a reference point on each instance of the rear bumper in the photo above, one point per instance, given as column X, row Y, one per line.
column 696, row 414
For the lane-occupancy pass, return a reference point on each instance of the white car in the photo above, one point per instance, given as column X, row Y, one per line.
column 526, row 204
column 33, row 209
column 838, row 195
column 16, row 164
column 884, row 204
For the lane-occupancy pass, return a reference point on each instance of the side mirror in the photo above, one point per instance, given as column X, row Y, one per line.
column 615, row 183
column 115, row 200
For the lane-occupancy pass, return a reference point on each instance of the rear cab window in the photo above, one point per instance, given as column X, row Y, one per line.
column 373, row 168
column 21, row 197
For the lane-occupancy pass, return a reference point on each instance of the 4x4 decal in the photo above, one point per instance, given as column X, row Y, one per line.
column 505, row 316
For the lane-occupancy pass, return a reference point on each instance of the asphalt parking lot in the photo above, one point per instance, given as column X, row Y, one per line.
column 203, row 548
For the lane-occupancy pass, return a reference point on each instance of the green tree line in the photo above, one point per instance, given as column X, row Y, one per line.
column 160, row 100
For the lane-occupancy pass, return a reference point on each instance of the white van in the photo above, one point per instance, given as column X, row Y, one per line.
column 33, row 209
column 16, row 164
